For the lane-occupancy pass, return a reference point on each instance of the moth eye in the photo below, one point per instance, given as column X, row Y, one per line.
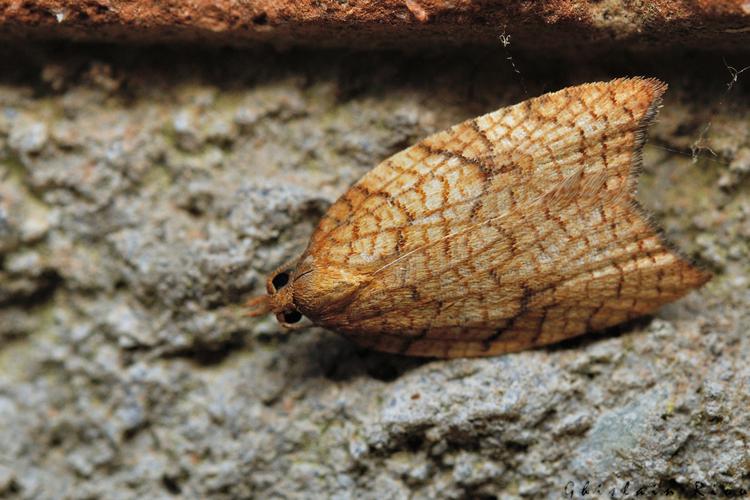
column 280, row 280
column 292, row 316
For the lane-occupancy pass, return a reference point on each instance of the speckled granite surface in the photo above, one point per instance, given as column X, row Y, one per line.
column 145, row 192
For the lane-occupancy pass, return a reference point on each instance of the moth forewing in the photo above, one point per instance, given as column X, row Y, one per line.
column 511, row 230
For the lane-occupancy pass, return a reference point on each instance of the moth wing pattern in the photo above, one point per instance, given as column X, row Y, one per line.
column 507, row 231
column 614, row 285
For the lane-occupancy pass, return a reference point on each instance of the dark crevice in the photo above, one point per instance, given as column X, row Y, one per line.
column 387, row 372
column 389, row 367
column 211, row 354
column 339, row 359
column 48, row 282
column 414, row 442
column 472, row 493
column 380, row 366
column 518, row 448
column 171, row 485
column 132, row 432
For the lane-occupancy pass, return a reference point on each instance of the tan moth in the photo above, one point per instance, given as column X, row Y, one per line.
column 512, row 230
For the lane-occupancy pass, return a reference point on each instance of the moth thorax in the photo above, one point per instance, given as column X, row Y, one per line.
column 321, row 291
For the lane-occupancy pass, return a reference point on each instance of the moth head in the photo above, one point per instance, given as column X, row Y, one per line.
column 306, row 291
column 279, row 300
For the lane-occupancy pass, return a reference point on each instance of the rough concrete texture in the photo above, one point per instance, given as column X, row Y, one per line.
column 144, row 193
column 574, row 26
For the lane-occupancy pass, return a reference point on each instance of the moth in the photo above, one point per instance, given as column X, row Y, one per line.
column 508, row 231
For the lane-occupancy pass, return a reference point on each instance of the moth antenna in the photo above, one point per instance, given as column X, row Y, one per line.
column 259, row 306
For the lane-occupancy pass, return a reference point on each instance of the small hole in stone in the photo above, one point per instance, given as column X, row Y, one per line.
column 280, row 280
column 414, row 442
column 292, row 316
column 261, row 19
column 171, row 485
